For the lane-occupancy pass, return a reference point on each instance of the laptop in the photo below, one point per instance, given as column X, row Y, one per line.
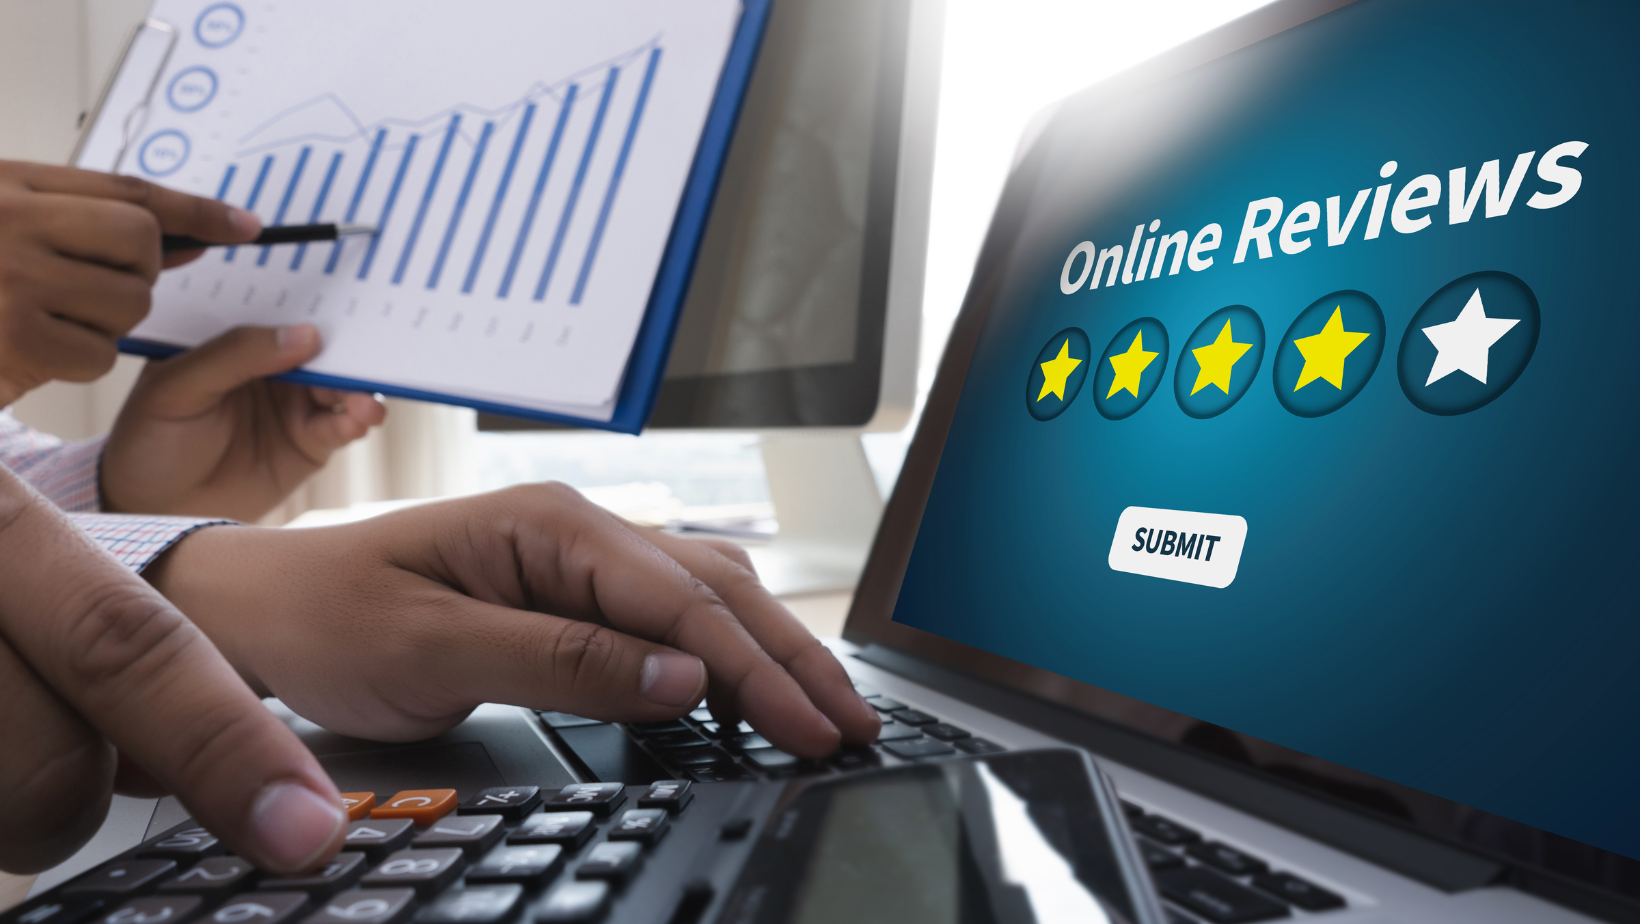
column 1280, row 460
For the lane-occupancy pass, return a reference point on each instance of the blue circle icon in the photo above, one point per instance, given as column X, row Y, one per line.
column 192, row 89
column 1468, row 343
column 164, row 153
column 1057, row 374
column 1219, row 362
column 1131, row 369
column 1329, row 353
column 219, row 24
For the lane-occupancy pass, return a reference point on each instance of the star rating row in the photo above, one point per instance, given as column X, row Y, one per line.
column 1462, row 349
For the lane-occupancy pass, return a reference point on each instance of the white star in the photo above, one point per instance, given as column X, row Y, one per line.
column 1462, row 344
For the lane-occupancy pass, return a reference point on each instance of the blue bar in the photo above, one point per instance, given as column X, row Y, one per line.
column 461, row 205
column 387, row 207
column 358, row 196
column 535, row 194
column 575, row 186
column 615, row 180
column 500, row 194
column 284, row 201
column 250, row 204
column 318, row 206
column 426, row 199
column 227, row 180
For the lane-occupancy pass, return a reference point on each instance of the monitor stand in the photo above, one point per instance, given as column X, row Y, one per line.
column 827, row 503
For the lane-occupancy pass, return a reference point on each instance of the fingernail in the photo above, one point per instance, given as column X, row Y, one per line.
column 245, row 223
column 294, row 336
column 672, row 679
column 294, row 825
column 870, row 709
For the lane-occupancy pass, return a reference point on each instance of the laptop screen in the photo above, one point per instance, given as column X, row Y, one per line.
column 1305, row 407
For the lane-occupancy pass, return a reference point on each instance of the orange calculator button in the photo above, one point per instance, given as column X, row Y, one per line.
column 358, row 804
column 422, row 806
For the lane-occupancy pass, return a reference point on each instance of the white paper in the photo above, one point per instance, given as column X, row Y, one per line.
column 251, row 86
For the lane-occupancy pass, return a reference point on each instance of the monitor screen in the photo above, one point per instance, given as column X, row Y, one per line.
column 1302, row 407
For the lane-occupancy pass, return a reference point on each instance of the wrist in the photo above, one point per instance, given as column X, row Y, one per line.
column 199, row 574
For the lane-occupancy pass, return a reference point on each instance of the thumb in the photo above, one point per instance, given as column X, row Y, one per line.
column 195, row 381
column 151, row 683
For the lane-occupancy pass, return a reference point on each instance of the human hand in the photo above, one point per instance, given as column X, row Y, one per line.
column 394, row 628
column 204, row 433
column 93, row 660
column 79, row 252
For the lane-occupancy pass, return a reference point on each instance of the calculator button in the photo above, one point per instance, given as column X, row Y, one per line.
column 358, row 804
column 914, row 717
column 426, row 871
column 671, row 795
column 1205, row 893
column 944, row 732
column 422, row 806
column 166, row 909
column 510, row 802
column 897, row 732
column 1157, row 856
column 884, row 704
column 261, row 908
column 380, row 837
column 718, row 773
column 1290, row 888
column 597, row 798
column 530, row 865
column 1226, row 859
column 54, row 910
column 611, row 860
column 482, row 905
column 334, row 876
column 185, row 843
column 568, row 828
column 365, row 906
column 918, row 747
column 474, row 834
column 639, row 824
column 978, row 746
column 213, row 876
column 673, row 740
column 1167, row 832
column 574, row 903
column 121, row 877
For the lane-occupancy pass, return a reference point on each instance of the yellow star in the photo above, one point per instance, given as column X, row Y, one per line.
column 1324, row 353
column 1216, row 360
column 1130, row 366
column 1055, row 371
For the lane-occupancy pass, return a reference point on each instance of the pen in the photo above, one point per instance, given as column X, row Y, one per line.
column 278, row 234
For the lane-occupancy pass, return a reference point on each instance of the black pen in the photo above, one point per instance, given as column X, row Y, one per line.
column 278, row 234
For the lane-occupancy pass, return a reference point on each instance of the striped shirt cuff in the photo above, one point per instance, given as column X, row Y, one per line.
column 136, row 540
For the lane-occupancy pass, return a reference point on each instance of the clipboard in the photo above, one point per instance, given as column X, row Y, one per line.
column 136, row 90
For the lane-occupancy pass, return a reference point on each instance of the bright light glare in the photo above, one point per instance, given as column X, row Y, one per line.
column 1004, row 61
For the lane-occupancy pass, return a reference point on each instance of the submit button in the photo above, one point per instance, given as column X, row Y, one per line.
column 1178, row 545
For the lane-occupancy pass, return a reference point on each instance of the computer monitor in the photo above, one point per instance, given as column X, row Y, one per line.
column 803, row 312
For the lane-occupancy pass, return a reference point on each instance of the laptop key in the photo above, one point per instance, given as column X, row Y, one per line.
column 574, row 903
column 896, row 732
column 426, row 871
column 159, row 909
column 855, row 759
column 884, row 704
column 120, row 877
column 614, row 860
column 531, row 866
column 185, row 843
column 214, row 877
column 866, row 690
column 1158, row 857
column 327, row 881
column 772, row 759
column 510, row 802
column 651, row 729
column 716, row 730
column 703, row 756
column 978, row 746
column 914, row 717
column 378, row 838
column 701, row 715
column 597, row 798
column 672, row 795
column 1208, row 894
column 480, row 905
column 1163, row 831
column 918, row 747
column 1296, row 891
column 572, row 829
column 261, row 908
column 719, row 773
column 944, row 732
column 1226, row 859
column 365, row 906
column 676, row 740
column 473, row 834
column 747, row 742
column 565, row 720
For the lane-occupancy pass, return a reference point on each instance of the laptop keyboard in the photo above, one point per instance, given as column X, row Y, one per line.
column 700, row 749
column 1216, row 882
column 565, row 855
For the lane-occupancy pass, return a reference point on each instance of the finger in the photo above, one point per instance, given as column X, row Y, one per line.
column 571, row 558
column 178, row 213
column 56, row 774
column 60, row 348
column 113, row 233
column 150, row 683
column 100, row 298
column 779, row 633
column 194, row 382
column 327, row 427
